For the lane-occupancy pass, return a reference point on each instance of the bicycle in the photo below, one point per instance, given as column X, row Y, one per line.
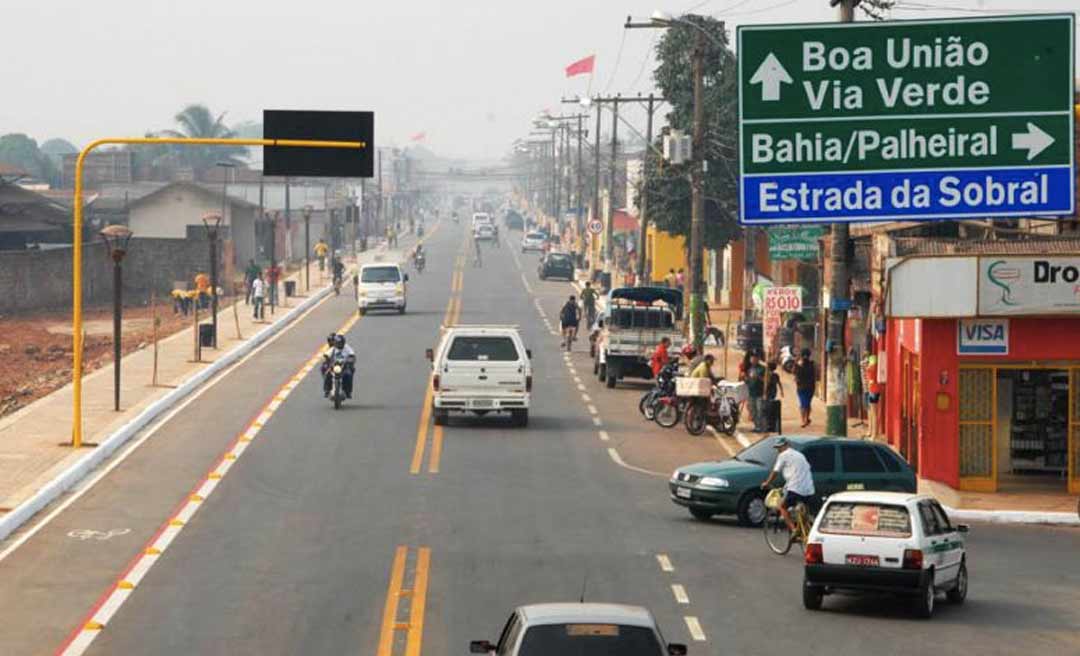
column 777, row 535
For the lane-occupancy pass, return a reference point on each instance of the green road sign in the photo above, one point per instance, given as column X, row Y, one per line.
column 798, row 243
column 907, row 119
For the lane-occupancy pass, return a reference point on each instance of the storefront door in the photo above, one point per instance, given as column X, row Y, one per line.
column 978, row 469
column 909, row 409
column 1074, row 431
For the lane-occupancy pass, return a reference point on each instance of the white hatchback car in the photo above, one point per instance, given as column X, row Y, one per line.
column 885, row 542
column 533, row 241
column 552, row 629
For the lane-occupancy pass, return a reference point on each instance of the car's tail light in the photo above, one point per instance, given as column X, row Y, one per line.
column 435, row 382
column 528, row 383
column 913, row 559
column 813, row 554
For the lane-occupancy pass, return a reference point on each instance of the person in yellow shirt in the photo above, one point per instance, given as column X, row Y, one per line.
column 321, row 249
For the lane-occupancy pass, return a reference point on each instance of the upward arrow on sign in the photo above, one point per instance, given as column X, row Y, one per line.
column 770, row 75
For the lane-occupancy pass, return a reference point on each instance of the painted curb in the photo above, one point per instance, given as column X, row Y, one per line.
column 76, row 472
column 1013, row 516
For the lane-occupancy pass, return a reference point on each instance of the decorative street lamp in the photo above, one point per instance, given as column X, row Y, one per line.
column 116, row 240
column 307, row 247
column 212, row 221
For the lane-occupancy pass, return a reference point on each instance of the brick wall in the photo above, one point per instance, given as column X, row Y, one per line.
column 32, row 280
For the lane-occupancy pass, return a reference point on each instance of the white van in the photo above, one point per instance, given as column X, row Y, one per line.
column 479, row 218
column 381, row 286
column 481, row 369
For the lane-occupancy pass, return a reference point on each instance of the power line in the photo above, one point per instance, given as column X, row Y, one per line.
column 618, row 60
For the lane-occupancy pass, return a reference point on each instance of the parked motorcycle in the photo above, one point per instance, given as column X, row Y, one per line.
column 665, row 386
column 787, row 359
column 719, row 410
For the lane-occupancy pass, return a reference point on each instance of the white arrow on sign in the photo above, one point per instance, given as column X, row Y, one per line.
column 1034, row 141
column 769, row 75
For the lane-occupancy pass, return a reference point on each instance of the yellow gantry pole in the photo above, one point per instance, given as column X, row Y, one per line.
column 76, row 251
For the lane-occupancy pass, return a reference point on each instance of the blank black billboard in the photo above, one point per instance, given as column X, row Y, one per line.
column 319, row 126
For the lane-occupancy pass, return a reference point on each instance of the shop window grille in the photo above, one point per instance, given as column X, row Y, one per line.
column 976, row 423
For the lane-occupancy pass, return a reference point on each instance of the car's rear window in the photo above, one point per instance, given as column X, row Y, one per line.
column 862, row 518
column 589, row 640
column 380, row 274
column 534, row 235
column 494, row 349
column 559, row 258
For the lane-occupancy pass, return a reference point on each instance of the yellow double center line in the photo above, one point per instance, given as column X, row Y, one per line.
column 453, row 312
column 416, row 594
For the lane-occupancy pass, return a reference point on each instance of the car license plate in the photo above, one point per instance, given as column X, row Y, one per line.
column 860, row 560
column 483, row 403
column 682, row 492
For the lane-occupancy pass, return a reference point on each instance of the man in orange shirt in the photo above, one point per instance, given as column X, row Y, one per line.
column 660, row 357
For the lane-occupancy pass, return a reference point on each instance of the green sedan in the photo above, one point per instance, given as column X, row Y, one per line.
column 733, row 487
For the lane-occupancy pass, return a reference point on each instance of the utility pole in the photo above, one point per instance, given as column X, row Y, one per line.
column 836, row 393
column 697, row 190
column 643, row 228
column 609, row 225
column 555, row 177
column 598, row 101
column 580, row 224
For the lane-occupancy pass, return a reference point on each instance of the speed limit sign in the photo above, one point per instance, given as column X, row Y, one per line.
column 596, row 226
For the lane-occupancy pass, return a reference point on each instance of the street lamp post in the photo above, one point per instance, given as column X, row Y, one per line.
column 116, row 240
column 212, row 221
column 307, row 248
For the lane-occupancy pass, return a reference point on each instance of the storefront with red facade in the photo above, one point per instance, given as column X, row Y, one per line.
column 987, row 399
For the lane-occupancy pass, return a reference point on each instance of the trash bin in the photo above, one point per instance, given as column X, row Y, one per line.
column 206, row 334
column 771, row 410
column 290, row 288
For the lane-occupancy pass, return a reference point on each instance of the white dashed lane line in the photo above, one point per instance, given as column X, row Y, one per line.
column 665, row 563
column 586, row 398
column 694, row 627
column 593, row 410
column 597, row 421
column 604, row 437
column 680, row 594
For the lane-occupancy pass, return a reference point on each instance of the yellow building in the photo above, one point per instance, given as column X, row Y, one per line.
column 665, row 252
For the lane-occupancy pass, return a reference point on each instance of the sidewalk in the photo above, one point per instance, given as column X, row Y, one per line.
column 33, row 440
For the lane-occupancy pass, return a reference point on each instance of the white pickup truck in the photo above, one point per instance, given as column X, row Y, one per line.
column 481, row 369
column 631, row 327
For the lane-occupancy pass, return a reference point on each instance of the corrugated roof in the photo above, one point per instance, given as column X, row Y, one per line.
column 194, row 186
column 1032, row 246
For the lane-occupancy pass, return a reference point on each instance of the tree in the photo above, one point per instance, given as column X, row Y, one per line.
column 668, row 186
column 22, row 151
column 196, row 121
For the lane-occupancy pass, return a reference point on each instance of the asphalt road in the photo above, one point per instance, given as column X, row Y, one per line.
column 370, row 531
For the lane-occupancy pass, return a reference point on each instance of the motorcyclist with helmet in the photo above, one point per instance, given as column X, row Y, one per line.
column 338, row 349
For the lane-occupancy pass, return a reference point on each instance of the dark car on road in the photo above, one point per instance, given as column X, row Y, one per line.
column 556, row 265
column 732, row 487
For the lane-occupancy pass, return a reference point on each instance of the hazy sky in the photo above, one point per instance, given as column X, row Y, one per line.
column 469, row 73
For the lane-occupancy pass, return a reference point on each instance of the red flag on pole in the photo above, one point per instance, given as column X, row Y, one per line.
column 419, row 136
column 581, row 66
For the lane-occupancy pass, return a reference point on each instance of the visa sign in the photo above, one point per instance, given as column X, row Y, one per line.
column 982, row 336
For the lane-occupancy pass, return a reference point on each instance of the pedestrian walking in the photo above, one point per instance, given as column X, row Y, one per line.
column 755, row 388
column 774, row 390
column 680, row 279
column 806, row 375
column 258, row 294
column 250, row 274
column 670, row 278
column 321, row 249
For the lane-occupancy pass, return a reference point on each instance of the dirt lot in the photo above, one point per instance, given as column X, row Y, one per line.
column 35, row 349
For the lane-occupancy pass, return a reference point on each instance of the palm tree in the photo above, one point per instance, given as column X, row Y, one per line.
column 197, row 121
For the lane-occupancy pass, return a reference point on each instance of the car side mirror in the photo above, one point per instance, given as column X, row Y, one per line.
column 429, row 354
column 962, row 528
column 676, row 650
column 481, row 647
column 528, row 353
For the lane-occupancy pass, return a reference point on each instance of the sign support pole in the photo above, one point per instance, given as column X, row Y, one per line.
column 836, row 392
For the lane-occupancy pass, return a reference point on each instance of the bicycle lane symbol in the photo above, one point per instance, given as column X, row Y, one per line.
column 85, row 534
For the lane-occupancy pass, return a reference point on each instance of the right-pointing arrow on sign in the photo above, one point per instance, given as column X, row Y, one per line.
column 769, row 75
column 1034, row 141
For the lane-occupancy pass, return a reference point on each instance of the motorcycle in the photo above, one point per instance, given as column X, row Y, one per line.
column 337, row 370
column 665, row 386
column 787, row 359
column 419, row 261
column 719, row 410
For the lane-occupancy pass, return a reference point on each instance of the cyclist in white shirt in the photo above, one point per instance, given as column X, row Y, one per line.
column 798, row 480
